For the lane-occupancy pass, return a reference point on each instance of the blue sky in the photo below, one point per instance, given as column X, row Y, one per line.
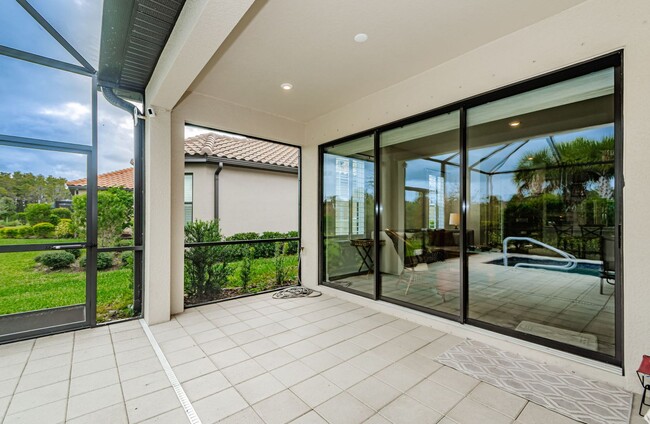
column 46, row 103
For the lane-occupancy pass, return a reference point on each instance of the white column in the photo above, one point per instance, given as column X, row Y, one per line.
column 157, row 242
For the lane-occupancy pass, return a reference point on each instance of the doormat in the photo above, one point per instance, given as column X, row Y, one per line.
column 588, row 401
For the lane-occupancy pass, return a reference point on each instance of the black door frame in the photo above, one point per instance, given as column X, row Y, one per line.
column 612, row 60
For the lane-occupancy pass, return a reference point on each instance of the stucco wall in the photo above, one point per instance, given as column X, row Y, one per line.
column 250, row 200
column 213, row 113
column 256, row 200
column 588, row 30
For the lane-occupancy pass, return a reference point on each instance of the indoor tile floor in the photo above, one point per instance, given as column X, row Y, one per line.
column 254, row 360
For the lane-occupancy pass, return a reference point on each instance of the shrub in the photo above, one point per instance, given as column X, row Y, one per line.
column 10, row 232
column 75, row 252
column 293, row 245
column 22, row 217
column 37, row 213
column 64, row 229
column 245, row 268
column 56, row 260
column 267, row 250
column 53, row 219
column 16, row 232
column 237, row 252
column 43, row 230
column 279, row 263
column 25, row 231
column 126, row 259
column 206, row 267
column 62, row 213
column 104, row 261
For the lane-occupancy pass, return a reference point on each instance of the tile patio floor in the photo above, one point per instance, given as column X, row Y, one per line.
column 254, row 360
column 507, row 296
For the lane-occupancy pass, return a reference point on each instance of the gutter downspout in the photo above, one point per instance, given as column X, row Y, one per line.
column 138, row 190
column 216, row 189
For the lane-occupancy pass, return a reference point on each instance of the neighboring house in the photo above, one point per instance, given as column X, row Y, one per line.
column 254, row 182
column 122, row 178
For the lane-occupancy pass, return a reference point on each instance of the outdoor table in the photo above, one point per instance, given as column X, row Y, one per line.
column 364, row 248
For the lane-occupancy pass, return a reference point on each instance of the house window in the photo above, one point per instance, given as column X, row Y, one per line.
column 188, row 198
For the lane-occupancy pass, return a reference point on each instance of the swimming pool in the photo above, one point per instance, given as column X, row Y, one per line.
column 583, row 268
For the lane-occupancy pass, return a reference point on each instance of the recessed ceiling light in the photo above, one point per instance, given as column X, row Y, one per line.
column 514, row 124
column 286, row 86
column 361, row 37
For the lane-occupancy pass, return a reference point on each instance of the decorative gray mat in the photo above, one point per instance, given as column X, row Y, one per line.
column 584, row 400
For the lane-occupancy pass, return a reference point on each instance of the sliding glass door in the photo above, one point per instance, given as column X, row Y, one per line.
column 419, row 180
column 502, row 211
column 542, row 207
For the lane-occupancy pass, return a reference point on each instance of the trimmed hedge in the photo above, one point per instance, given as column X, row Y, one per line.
column 22, row 231
column 104, row 261
column 64, row 229
column 56, row 260
column 43, row 230
column 262, row 250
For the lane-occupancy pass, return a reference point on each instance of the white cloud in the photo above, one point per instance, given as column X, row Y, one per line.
column 71, row 111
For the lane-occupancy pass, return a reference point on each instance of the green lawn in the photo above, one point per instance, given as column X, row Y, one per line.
column 25, row 286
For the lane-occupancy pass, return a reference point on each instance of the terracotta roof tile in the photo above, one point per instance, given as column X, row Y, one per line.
column 213, row 144
column 122, row 178
column 227, row 146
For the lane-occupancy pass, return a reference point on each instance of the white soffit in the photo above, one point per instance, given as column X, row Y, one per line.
column 310, row 44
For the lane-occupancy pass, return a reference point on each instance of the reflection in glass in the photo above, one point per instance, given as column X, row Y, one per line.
column 541, row 201
column 419, row 207
column 348, row 214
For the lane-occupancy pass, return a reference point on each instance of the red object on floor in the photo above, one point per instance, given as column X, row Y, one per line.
column 644, row 368
column 642, row 372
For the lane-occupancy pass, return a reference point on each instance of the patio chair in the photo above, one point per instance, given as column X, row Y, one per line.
column 564, row 233
column 587, row 234
column 410, row 259
column 607, row 257
column 644, row 373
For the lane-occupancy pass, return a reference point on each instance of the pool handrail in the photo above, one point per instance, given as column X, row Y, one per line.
column 571, row 264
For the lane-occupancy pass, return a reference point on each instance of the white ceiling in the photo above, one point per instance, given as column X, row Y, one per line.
column 309, row 43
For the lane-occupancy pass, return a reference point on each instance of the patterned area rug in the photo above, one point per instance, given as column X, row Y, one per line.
column 584, row 400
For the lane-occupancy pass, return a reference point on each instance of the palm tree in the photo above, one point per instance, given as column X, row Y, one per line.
column 581, row 161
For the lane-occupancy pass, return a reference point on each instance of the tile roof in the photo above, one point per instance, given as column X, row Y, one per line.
column 122, row 178
column 228, row 146
column 215, row 144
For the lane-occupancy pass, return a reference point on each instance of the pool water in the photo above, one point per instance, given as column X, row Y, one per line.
column 582, row 268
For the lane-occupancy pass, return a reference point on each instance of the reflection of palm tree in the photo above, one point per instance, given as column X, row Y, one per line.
column 568, row 170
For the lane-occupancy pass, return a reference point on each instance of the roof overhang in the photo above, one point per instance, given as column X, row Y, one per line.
column 240, row 163
column 134, row 33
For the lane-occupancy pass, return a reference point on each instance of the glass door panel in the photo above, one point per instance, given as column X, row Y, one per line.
column 43, row 240
column 348, row 206
column 420, row 260
column 542, row 208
